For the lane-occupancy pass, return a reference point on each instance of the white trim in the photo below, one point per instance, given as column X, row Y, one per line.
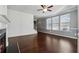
column 60, row 35
column 18, row 47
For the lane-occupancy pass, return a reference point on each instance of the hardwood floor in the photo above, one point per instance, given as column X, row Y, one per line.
column 42, row 43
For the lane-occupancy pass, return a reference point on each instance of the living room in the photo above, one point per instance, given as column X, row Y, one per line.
column 40, row 28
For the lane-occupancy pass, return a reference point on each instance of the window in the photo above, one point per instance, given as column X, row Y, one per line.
column 48, row 21
column 61, row 22
column 55, row 23
column 65, row 22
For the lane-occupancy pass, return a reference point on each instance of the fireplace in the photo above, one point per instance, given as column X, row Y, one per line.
column 2, row 41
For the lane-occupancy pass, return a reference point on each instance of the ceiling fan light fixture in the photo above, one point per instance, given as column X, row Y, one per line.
column 44, row 10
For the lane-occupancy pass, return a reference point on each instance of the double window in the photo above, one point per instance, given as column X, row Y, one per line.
column 61, row 22
column 65, row 22
column 48, row 24
column 55, row 23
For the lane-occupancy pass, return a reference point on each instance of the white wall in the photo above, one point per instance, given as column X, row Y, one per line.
column 3, row 9
column 78, row 28
column 21, row 23
column 74, row 18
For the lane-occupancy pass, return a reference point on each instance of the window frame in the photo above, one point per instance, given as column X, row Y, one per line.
column 55, row 23
column 47, row 23
column 59, row 26
column 65, row 22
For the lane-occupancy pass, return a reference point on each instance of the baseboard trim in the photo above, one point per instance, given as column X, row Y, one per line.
column 22, row 35
column 59, row 35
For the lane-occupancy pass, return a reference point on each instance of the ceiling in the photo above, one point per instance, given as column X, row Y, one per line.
column 32, row 9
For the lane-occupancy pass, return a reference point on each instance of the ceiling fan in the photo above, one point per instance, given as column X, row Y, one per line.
column 45, row 8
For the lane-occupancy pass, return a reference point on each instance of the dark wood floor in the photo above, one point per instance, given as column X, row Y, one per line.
column 42, row 43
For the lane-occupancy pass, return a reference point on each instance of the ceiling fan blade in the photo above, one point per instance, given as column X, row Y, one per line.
column 50, row 6
column 49, row 10
column 42, row 6
column 39, row 9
